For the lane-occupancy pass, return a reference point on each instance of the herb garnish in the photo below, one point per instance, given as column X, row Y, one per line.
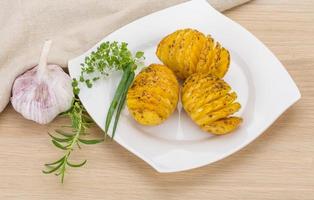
column 65, row 140
column 110, row 56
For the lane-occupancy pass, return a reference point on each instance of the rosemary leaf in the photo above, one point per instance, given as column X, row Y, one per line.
column 64, row 133
column 60, row 146
column 76, row 165
column 56, row 162
column 59, row 139
column 53, row 170
column 90, row 141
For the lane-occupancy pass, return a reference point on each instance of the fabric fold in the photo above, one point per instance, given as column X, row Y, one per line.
column 73, row 25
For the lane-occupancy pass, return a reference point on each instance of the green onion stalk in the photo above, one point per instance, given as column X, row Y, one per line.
column 119, row 98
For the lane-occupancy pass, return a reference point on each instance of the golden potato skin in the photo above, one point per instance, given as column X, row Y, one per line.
column 209, row 102
column 154, row 95
column 188, row 51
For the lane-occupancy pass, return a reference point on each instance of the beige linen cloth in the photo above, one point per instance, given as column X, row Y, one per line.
column 73, row 25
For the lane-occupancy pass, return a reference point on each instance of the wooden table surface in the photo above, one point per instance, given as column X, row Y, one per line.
column 278, row 165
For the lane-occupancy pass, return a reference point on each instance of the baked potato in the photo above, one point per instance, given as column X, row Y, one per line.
column 188, row 51
column 209, row 102
column 154, row 95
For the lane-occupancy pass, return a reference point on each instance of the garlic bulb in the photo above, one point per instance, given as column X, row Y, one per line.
column 43, row 92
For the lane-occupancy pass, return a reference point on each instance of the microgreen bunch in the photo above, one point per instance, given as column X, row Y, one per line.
column 109, row 56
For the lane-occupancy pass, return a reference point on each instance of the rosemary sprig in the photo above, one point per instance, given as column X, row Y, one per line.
column 108, row 57
column 66, row 141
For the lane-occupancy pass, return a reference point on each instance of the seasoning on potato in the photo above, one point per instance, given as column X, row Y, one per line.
column 154, row 95
column 209, row 102
column 188, row 51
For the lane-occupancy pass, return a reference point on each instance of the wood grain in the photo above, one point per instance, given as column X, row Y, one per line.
column 278, row 165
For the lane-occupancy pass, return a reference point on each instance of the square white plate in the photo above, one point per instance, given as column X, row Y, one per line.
column 264, row 87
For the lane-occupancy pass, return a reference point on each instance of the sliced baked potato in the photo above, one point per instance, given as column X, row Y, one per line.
column 188, row 51
column 154, row 95
column 210, row 103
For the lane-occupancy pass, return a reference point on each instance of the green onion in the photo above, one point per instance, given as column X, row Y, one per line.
column 110, row 56
column 122, row 101
column 117, row 96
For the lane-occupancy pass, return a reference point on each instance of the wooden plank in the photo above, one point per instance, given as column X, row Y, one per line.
column 278, row 165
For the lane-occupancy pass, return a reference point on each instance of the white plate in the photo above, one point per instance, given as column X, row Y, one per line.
column 264, row 87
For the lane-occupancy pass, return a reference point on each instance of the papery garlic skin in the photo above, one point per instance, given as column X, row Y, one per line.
column 43, row 92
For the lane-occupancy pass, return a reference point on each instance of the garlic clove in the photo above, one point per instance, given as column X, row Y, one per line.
column 42, row 92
